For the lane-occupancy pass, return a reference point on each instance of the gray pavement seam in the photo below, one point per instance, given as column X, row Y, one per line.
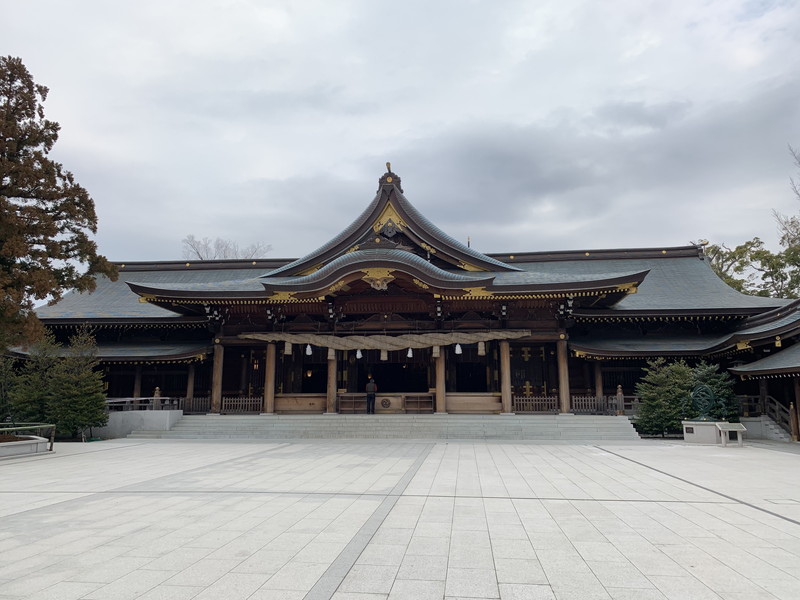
column 702, row 487
column 332, row 578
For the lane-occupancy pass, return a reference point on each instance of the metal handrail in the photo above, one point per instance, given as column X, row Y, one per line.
column 35, row 427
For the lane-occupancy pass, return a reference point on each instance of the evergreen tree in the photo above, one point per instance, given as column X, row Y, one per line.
column 46, row 218
column 726, row 407
column 665, row 391
column 7, row 379
column 80, row 401
column 36, row 384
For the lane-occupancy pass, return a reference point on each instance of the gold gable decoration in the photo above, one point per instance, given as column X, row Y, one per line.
column 389, row 213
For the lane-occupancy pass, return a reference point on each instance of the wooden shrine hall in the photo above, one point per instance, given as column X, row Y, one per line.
column 440, row 326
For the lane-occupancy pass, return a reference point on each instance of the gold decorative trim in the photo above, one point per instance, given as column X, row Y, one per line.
column 337, row 286
column 378, row 278
column 428, row 248
column 146, row 298
column 353, row 249
column 477, row 292
column 628, row 288
column 282, row 296
column 310, row 270
column 469, row 267
column 421, row 284
column 389, row 213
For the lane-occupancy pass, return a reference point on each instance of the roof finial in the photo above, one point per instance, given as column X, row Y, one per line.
column 389, row 178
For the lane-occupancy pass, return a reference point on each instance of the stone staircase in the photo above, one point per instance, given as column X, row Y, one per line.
column 765, row 428
column 430, row 427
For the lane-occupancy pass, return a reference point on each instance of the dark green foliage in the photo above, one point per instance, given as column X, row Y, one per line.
column 79, row 402
column 46, row 218
column 726, row 406
column 665, row 391
column 35, row 385
column 61, row 386
column 7, row 378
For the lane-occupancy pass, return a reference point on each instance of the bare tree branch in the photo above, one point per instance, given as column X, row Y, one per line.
column 220, row 249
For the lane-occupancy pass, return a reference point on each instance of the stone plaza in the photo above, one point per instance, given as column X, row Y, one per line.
column 401, row 519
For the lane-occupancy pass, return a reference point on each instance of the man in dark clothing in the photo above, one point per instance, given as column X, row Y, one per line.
column 372, row 388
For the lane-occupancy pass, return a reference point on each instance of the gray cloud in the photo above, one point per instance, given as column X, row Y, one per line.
column 525, row 126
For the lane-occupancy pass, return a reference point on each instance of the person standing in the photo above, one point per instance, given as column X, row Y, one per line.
column 372, row 388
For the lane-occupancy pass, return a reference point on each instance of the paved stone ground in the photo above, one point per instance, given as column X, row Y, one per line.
column 371, row 520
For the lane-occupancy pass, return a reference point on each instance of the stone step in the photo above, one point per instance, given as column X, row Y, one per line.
column 511, row 427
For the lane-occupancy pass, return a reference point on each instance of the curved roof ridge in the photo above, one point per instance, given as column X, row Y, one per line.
column 351, row 230
column 444, row 237
column 389, row 185
column 389, row 257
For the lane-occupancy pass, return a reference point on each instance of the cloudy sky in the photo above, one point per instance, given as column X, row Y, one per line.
column 525, row 125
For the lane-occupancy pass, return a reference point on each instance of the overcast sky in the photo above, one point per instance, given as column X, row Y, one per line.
column 525, row 125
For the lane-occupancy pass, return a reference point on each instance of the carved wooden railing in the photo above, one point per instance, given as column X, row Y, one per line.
column 242, row 404
column 534, row 404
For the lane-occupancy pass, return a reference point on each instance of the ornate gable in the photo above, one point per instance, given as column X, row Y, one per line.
column 391, row 222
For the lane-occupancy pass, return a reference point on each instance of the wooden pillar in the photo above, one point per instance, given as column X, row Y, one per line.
column 441, row 397
column 216, row 379
column 598, row 383
column 330, row 407
column 243, row 389
column 794, row 417
column 137, row 382
column 763, row 392
column 563, row 376
column 190, row 381
column 269, row 381
column 505, row 376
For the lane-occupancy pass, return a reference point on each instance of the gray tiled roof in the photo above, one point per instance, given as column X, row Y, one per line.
column 115, row 300
column 785, row 361
column 673, row 284
column 393, row 256
column 648, row 345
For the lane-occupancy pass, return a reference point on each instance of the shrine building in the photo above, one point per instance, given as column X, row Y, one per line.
column 441, row 327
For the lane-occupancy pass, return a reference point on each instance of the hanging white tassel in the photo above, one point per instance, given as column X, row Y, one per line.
column 481, row 348
column 331, row 354
column 287, row 347
column 410, row 353
column 435, row 352
column 458, row 348
column 308, row 349
column 384, row 355
column 358, row 353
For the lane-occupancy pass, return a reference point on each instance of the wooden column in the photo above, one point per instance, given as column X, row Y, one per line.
column 137, row 382
column 794, row 418
column 763, row 392
column 190, row 382
column 243, row 388
column 598, row 382
column 505, row 376
column 330, row 407
column 441, row 397
column 269, row 381
column 216, row 379
column 563, row 376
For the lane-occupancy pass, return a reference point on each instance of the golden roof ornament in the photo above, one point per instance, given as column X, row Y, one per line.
column 390, row 178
